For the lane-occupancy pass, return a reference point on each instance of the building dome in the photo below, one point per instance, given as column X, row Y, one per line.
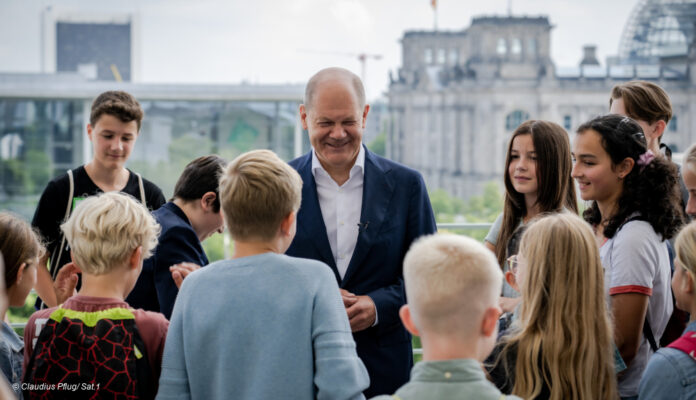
column 658, row 29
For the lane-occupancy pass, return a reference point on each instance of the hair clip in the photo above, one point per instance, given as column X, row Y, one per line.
column 645, row 159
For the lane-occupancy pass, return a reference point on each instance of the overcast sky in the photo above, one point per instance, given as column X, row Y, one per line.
column 286, row 41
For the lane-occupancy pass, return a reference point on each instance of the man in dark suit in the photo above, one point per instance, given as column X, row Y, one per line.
column 187, row 220
column 359, row 214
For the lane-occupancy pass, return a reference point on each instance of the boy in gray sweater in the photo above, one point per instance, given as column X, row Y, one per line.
column 452, row 284
column 261, row 325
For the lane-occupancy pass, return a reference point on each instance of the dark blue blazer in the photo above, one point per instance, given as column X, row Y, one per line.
column 155, row 289
column 395, row 211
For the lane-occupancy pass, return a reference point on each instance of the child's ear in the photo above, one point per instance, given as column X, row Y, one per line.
column 407, row 319
column 286, row 223
column 625, row 167
column 20, row 273
column 489, row 325
column 688, row 285
column 512, row 281
column 207, row 201
column 135, row 258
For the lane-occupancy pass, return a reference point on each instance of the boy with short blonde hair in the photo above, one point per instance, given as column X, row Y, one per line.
column 272, row 326
column 453, row 284
column 257, row 192
column 95, row 343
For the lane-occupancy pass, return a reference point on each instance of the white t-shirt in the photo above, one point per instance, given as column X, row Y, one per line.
column 636, row 260
column 492, row 238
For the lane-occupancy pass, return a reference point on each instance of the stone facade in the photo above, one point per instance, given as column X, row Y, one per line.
column 459, row 95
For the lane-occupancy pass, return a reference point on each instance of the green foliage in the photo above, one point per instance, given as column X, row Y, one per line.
column 243, row 136
column 184, row 149
column 486, row 207
column 15, row 178
column 21, row 314
column 482, row 208
column 38, row 165
column 214, row 247
column 379, row 144
column 445, row 207
column 25, row 176
column 416, row 344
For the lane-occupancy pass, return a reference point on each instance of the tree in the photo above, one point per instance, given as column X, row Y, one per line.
column 379, row 144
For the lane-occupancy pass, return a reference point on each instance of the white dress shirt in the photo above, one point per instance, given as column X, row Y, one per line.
column 340, row 208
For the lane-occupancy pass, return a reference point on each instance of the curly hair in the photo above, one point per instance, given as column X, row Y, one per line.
column 650, row 191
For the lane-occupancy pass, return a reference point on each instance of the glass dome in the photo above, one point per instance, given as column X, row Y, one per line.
column 658, row 29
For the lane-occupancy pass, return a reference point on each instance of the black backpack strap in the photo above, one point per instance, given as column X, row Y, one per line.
column 647, row 332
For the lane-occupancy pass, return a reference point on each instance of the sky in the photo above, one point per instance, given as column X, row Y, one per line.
column 286, row 41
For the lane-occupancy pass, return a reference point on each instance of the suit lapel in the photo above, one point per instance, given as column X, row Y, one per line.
column 309, row 218
column 377, row 193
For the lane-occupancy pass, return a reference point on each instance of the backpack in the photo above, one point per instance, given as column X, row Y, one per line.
column 56, row 256
column 89, row 355
column 64, row 246
column 686, row 343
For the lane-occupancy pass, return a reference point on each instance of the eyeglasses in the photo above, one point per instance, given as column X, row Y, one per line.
column 513, row 262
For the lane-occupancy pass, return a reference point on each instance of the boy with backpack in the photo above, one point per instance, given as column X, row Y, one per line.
column 94, row 345
column 114, row 127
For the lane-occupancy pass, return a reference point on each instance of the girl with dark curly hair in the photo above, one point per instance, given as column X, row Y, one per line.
column 634, row 209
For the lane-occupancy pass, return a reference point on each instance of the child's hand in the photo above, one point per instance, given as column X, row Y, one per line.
column 66, row 282
column 181, row 271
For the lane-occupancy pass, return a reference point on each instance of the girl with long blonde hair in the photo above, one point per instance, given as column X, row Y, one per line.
column 560, row 347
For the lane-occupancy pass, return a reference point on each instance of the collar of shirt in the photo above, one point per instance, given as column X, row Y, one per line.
column 459, row 370
column 8, row 336
column 358, row 167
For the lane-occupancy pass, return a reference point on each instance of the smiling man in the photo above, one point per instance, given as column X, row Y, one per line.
column 113, row 129
column 359, row 215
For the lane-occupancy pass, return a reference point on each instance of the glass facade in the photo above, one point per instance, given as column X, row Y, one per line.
column 40, row 139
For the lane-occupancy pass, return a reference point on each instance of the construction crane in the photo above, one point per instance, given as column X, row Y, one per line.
column 362, row 57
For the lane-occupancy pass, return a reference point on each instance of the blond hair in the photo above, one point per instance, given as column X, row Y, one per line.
column 685, row 248
column 563, row 338
column 450, row 281
column 690, row 158
column 104, row 230
column 258, row 190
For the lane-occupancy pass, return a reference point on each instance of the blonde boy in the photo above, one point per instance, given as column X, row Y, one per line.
column 452, row 285
column 261, row 325
column 95, row 338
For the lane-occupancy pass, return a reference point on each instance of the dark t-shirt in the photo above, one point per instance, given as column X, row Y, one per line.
column 50, row 212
